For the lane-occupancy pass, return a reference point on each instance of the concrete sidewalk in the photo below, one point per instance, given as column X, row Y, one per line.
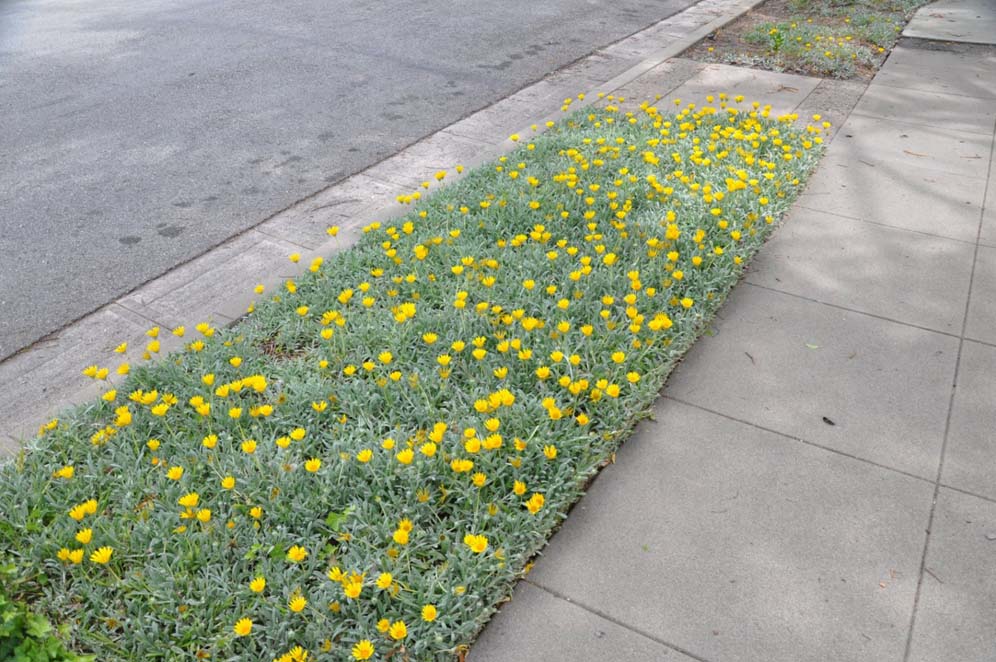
column 819, row 481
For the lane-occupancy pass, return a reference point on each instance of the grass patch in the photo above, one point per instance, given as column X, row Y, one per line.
column 825, row 38
column 364, row 466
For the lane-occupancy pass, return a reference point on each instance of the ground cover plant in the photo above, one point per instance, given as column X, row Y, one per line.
column 361, row 468
column 826, row 38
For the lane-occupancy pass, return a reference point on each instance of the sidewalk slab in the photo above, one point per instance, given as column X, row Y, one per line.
column 971, row 73
column 955, row 619
column 971, row 21
column 909, row 197
column 949, row 111
column 211, row 282
column 739, row 545
column 832, row 100
column 536, row 625
column 901, row 144
column 869, row 268
column 982, row 307
column 660, row 80
column 52, row 375
column 784, row 92
column 419, row 162
column 785, row 363
column 305, row 224
column 970, row 456
column 987, row 233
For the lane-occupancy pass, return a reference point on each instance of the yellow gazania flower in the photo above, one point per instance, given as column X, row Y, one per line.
column 384, row 580
column 84, row 536
column 243, row 628
column 102, row 556
column 429, row 613
column 364, row 455
column 398, row 630
column 363, row 650
column 296, row 554
column 189, row 500
column 65, row 472
column 258, row 584
column 476, row 543
column 313, row 465
column 535, row 502
column 297, row 603
column 353, row 588
column 406, row 456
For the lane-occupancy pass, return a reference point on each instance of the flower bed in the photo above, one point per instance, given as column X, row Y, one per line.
column 363, row 466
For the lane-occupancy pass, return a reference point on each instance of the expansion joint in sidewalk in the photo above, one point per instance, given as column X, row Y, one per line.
column 601, row 614
column 853, row 310
column 954, row 388
column 795, row 438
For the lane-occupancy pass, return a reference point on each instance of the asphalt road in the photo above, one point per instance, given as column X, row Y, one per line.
column 137, row 135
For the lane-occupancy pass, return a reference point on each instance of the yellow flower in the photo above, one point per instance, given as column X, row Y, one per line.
column 519, row 488
column 204, row 515
column 228, row 482
column 429, row 613
column 384, row 580
column 249, row 446
column 189, row 500
column 364, row 455
column 174, row 473
column 297, row 603
column 363, row 650
column 385, row 357
column 313, row 465
column 243, row 627
column 400, row 536
column 353, row 588
column 476, row 543
column 296, row 554
column 258, row 584
column 65, row 472
column 550, row 451
column 77, row 512
column 398, row 630
column 618, row 357
column 406, row 456
column 102, row 555
column 535, row 502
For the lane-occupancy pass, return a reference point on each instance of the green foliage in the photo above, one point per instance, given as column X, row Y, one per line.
column 395, row 434
column 26, row 636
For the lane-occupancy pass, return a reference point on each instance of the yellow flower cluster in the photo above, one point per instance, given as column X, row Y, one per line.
column 381, row 446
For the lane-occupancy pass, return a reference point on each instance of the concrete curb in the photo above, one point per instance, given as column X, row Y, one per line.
column 216, row 287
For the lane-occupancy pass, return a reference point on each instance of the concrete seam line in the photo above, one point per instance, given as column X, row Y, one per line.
column 228, row 307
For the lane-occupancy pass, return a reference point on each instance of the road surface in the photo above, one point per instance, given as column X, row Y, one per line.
column 137, row 135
